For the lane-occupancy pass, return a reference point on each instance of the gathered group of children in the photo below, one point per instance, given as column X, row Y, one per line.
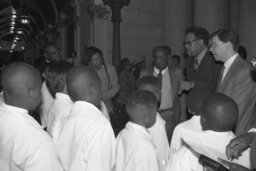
column 82, row 136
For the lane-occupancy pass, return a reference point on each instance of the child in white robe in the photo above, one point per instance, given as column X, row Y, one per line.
column 87, row 141
column 157, row 131
column 135, row 150
column 55, row 77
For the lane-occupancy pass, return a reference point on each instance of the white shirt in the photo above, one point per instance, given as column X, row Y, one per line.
column 46, row 103
column 184, row 160
column 87, row 141
column 160, row 140
column 181, row 157
column 166, row 90
column 58, row 114
column 227, row 65
column 135, row 150
column 191, row 124
column 213, row 145
column 24, row 146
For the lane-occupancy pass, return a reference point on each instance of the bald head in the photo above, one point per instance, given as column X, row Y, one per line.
column 21, row 85
column 141, row 108
column 220, row 113
column 83, row 84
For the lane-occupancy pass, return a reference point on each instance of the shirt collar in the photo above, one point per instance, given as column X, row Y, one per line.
column 141, row 130
column 201, row 55
column 229, row 62
column 156, row 70
column 63, row 96
column 85, row 105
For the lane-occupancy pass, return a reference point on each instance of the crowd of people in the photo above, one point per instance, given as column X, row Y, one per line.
column 198, row 117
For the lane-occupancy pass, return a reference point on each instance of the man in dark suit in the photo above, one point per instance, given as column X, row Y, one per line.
column 172, row 106
column 236, row 80
column 201, row 69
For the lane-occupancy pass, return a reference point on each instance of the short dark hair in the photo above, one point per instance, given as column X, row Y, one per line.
column 89, row 52
column 242, row 52
column 227, row 35
column 141, row 97
column 176, row 57
column 200, row 33
column 55, row 76
column 149, row 81
column 166, row 49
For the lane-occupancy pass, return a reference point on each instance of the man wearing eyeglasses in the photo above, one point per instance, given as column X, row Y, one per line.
column 235, row 79
column 201, row 69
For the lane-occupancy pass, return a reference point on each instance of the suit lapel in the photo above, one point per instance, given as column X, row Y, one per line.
column 230, row 73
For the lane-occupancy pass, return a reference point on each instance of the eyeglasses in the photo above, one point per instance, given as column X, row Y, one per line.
column 214, row 45
column 189, row 43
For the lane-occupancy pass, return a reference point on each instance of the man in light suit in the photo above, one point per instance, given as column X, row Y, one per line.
column 172, row 106
column 235, row 79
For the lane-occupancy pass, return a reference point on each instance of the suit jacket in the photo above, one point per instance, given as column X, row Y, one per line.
column 239, row 85
column 176, row 76
column 206, row 74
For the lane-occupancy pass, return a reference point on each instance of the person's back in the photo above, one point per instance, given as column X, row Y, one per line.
column 87, row 140
column 61, row 107
column 135, row 150
column 219, row 117
column 23, row 143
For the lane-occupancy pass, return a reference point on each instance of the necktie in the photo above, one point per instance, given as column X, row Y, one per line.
column 196, row 63
column 159, row 75
column 220, row 76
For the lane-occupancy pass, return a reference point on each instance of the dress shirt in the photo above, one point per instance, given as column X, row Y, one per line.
column 227, row 65
column 160, row 140
column 135, row 150
column 166, row 90
column 191, row 124
column 213, row 145
column 87, row 141
column 58, row 113
column 46, row 103
column 24, row 146
column 1, row 97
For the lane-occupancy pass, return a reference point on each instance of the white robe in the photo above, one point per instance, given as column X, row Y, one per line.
column 135, row 150
column 181, row 157
column 46, row 103
column 58, row 114
column 24, row 146
column 87, row 141
column 160, row 140
column 191, row 124
column 213, row 145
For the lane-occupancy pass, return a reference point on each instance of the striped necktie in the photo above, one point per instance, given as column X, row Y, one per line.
column 220, row 76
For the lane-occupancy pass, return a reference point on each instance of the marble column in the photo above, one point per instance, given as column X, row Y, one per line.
column 247, row 26
column 211, row 14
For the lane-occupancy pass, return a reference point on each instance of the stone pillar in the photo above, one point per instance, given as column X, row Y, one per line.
column 247, row 27
column 211, row 14
column 116, row 6
column 178, row 16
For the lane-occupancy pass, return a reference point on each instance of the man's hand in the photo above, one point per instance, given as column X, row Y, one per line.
column 238, row 145
column 233, row 166
column 186, row 85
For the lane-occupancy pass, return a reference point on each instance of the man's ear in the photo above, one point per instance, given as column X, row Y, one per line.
column 32, row 94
